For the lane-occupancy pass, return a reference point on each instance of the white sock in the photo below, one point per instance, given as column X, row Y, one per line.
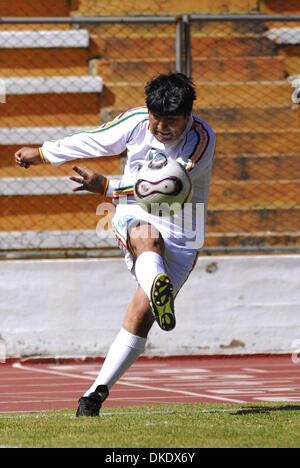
column 124, row 351
column 147, row 266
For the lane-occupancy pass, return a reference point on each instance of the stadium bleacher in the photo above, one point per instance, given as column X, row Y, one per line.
column 60, row 79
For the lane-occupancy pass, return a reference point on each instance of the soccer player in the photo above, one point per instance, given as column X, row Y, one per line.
column 157, row 249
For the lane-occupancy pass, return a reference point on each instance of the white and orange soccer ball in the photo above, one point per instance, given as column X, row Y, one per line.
column 163, row 186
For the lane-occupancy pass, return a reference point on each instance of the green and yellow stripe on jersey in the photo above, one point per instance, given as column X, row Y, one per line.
column 42, row 157
column 124, row 116
column 201, row 145
column 119, row 119
column 105, row 187
column 120, row 192
column 119, row 236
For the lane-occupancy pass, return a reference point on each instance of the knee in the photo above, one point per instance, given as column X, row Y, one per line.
column 145, row 237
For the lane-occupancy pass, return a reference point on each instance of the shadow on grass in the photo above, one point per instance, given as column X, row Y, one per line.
column 265, row 409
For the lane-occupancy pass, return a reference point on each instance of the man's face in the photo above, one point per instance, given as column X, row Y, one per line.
column 167, row 128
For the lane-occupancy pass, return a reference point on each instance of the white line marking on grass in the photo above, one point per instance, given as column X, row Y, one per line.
column 38, row 414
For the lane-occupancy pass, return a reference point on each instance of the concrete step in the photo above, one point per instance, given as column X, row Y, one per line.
column 284, row 35
column 226, row 168
column 239, row 69
column 50, row 110
column 52, row 85
column 198, row 28
column 234, row 144
column 43, row 62
column 232, row 46
column 252, row 239
column 90, row 7
column 251, row 94
column 292, row 58
column 250, row 119
column 19, row 8
column 78, row 38
column 204, row 69
column 128, row 69
column 280, row 7
column 228, row 144
column 227, row 28
column 11, row 186
column 108, row 165
column 57, row 239
column 51, row 101
column 279, row 220
column 43, row 53
column 33, row 27
column 67, row 212
column 209, row 95
column 36, row 135
column 257, row 167
column 253, row 143
column 49, row 212
column 254, row 194
column 39, row 185
column 136, row 46
column 78, row 239
column 223, row 194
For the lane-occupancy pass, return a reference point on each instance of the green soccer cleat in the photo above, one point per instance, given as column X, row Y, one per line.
column 162, row 302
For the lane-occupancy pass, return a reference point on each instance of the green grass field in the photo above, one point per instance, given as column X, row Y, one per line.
column 158, row 426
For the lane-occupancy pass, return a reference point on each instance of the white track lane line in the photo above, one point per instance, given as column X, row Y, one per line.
column 18, row 365
column 181, row 392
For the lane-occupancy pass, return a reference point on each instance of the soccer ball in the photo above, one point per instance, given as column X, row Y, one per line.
column 162, row 186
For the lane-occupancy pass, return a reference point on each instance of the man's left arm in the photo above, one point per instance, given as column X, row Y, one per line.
column 93, row 182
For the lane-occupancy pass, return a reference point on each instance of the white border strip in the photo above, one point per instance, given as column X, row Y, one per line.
column 56, row 85
column 10, row 186
column 44, row 39
column 36, row 186
column 35, row 135
column 74, row 239
column 284, row 36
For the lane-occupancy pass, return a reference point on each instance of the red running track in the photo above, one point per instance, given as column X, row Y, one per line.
column 36, row 386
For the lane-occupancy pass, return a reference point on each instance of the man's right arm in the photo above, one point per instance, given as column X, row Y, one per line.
column 26, row 157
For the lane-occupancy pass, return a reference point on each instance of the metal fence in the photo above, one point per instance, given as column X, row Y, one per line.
column 59, row 75
column 247, row 71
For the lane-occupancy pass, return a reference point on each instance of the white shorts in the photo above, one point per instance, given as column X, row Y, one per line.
column 179, row 261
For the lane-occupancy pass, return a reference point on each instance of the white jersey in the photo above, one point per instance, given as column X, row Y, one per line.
column 130, row 132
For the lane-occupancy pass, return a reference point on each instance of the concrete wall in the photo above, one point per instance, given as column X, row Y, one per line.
column 75, row 307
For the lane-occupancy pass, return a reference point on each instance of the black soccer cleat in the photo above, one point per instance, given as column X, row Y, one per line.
column 162, row 302
column 91, row 404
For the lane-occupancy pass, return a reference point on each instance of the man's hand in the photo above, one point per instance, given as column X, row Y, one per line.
column 88, row 180
column 26, row 157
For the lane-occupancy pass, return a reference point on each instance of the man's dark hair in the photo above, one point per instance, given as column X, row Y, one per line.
column 171, row 94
